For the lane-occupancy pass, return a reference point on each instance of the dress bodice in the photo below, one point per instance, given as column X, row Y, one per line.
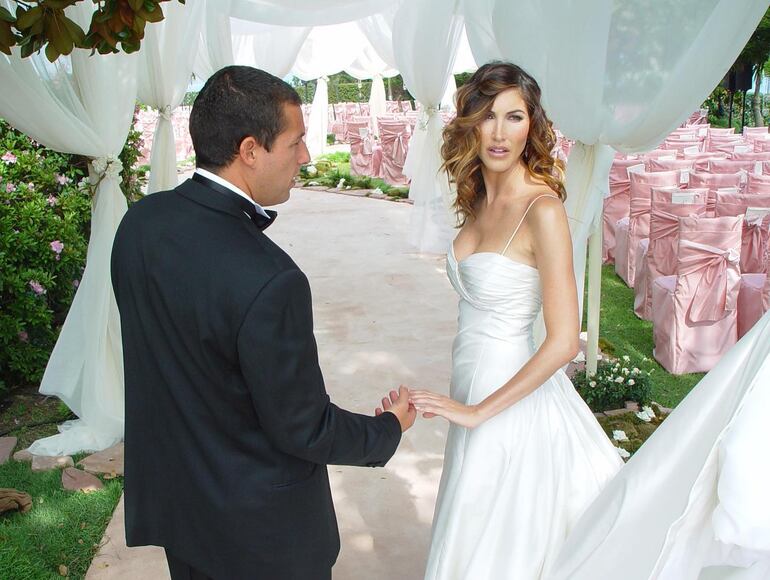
column 495, row 288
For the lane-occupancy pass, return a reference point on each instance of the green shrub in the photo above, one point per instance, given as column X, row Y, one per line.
column 45, row 219
column 44, row 226
column 614, row 383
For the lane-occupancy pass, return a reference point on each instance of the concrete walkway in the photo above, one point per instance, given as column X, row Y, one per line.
column 383, row 315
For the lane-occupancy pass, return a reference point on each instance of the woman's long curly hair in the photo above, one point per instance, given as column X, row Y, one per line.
column 462, row 138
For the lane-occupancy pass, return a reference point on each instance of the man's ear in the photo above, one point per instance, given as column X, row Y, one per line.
column 250, row 151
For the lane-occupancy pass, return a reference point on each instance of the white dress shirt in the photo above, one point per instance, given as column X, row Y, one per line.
column 216, row 179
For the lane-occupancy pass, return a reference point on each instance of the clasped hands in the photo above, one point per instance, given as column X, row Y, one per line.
column 406, row 403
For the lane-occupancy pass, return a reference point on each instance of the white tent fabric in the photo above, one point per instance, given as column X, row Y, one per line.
column 692, row 502
column 216, row 46
column 82, row 104
column 378, row 30
column 167, row 64
column 305, row 12
column 271, row 48
column 625, row 81
column 431, row 29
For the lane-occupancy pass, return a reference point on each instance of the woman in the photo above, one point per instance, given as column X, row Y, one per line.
column 524, row 454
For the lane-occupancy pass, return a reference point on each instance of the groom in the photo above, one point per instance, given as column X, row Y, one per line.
column 228, row 425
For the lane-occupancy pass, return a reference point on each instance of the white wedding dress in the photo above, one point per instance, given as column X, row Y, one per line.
column 513, row 487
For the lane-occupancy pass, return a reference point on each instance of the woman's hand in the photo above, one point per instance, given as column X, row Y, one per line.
column 433, row 405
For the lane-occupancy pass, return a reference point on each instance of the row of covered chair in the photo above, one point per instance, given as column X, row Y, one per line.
column 651, row 196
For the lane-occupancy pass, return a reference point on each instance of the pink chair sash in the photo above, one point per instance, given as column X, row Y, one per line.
column 716, row 293
column 758, row 183
column 395, row 139
column 754, row 244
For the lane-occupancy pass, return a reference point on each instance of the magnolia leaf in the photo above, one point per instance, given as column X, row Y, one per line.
column 7, row 38
column 76, row 33
column 138, row 25
column 27, row 18
column 155, row 15
column 135, row 4
column 58, row 35
column 51, row 53
column 59, row 4
column 27, row 49
column 6, row 15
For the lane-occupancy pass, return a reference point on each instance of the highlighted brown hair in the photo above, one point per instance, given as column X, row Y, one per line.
column 462, row 137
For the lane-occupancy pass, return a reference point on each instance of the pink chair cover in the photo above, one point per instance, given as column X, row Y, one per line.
column 750, row 301
column 656, row 165
column 657, row 153
column 362, row 149
column 695, row 311
column 394, row 138
column 720, row 131
column 639, row 213
column 755, row 131
column 660, row 259
column 705, row 155
column 714, row 181
column 752, row 156
column 728, row 166
column 406, row 106
column 758, row 183
column 755, row 228
column 616, row 205
column 761, row 144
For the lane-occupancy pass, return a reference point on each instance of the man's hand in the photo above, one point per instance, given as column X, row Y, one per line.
column 399, row 405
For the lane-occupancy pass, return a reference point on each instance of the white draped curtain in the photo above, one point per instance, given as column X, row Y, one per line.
column 268, row 47
column 82, row 104
column 214, row 48
column 167, row 64
column 430, row 29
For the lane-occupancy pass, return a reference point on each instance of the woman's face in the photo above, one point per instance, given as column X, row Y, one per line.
column 504, row 132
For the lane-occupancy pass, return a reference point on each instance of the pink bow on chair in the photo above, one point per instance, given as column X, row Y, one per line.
column 716, row 292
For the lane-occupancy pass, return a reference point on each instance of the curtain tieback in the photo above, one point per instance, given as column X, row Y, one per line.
column 165, row 112
column 425, row 117
column 107, row 166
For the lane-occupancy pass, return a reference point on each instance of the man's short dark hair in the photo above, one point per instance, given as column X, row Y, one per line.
column 237, row 102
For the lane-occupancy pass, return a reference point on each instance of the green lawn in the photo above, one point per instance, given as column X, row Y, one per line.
column 621, row 332
column 63, row 528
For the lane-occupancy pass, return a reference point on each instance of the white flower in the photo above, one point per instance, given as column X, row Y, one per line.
column 619, row 379
column 631, row 382
column 377, row 190
column 311, row 170
column 341, row 183
column 313, row 183
column 623, row 453
column 618, row 435
column 649, row 411
column 580, row 357
column 626, row 358
column 625, row 371
column 644, row 416
column 592, row 384
column 599, row 357
column 635, row 370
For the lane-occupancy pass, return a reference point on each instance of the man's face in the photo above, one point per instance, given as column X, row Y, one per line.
column 279, row 166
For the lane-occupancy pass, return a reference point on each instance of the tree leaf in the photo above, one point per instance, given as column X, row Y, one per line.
column 27, row 49
column 76, row 33
column 6, row 15
column 29, row 17
column 135, row 4
column 51, row 53
column 156, row 15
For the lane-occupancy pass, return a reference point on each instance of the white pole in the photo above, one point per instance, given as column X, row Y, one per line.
column 594, row 297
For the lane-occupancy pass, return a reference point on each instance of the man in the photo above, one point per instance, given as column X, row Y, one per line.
column 228, row 424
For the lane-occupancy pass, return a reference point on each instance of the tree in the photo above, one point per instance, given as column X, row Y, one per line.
column 39, row 24
column 755, row 54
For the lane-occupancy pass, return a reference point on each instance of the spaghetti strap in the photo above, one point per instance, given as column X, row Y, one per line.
column 521, row 221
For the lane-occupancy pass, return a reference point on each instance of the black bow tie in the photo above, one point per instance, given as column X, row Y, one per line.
column 249, row 208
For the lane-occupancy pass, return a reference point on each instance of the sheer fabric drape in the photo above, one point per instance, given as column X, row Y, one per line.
column 82, row 104
column 168, row 57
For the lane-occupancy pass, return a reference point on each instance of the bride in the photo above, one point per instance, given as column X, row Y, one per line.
column 525, row 455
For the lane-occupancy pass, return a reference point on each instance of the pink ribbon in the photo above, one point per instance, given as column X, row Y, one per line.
column 716, row 292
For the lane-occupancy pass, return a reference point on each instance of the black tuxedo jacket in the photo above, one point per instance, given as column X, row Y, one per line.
column 228, row 424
